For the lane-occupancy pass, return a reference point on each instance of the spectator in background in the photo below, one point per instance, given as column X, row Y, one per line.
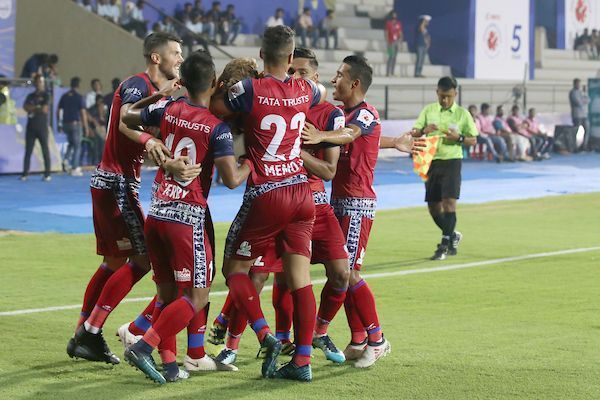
column 195, row 28
column 518, row 149
column 72, row 120
column 422, row 44
column 533, row 127
column 87, row 5
column 156, row 27
column 98, row 118
column 108, row 98
column 102, row 8
column 33, row 65
column 305, row 27
column 186, row 14
column 133, row 20
column 393, row 37
column 329, row 28
column 579, row 101
column 521, row 137
column 482, row 138
column 275, row 20
column 502, row 145
column 596, row 41
column 8, row 109
column 114, row 12
column 50, row 72
column 213, row 20
column 37, row 107
column 230, row 26
column 167, row 25
column 198, row 9
column 583, row 43
column 90, row 97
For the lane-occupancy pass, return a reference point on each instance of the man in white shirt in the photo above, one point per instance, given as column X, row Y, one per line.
column 277, row 19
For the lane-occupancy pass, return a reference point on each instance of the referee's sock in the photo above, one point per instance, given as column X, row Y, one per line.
column 449, row 225
column 439, row 220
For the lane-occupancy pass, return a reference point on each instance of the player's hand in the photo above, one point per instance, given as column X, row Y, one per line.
column 311, row 135
column 170, row 87
column 430, row 128
column 182, row 168
column 404, row 142
column 418, row 145
column 157, row 151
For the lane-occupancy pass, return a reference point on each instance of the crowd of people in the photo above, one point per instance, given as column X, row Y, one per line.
column 588, row 43
column 275, row 109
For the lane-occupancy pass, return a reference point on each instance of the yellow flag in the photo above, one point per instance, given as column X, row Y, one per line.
column 422, row 160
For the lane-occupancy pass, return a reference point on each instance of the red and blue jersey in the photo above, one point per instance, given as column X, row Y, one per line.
column 356, row 168
column 189, row 130
column 275, row 113
column 325, row 117
column 122, row 155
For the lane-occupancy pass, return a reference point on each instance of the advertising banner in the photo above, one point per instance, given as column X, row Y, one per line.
column 580, row 14
column 7, row 37
column 502, row 39
column 594, row 111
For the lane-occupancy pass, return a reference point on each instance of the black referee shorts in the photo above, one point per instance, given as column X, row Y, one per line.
column 444, row 180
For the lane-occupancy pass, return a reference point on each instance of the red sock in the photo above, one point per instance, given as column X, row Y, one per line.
column 284, row 310
column 237, row 324
column 225, row 314
column 167, row 349
column 92, row 292
column 144, row 321
column 366, row 310
column 115, row 290
column 305, row 311
column 173, row 318
column 247, row 300
column 195, row 333
column 357, row 330
column 331, row 301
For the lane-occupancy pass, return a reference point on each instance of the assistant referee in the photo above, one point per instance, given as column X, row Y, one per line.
column 454, row 123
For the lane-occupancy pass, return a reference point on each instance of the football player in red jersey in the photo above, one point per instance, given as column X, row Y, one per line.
column 118, row 217
column 178, row 238
column 278, row 206
column 354, row 200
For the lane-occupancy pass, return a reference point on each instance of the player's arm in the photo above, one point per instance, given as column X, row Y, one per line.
column 343, row 135
column 182, row 168
column 232, row 174
column 324, row 169
column 238, row 98
column 404, row 143
column 131, row 114
column 221, row 144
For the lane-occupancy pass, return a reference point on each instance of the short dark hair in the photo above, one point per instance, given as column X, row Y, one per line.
column 75, row 82
column 306, row 9
column 277, row 43
column 305, row 52
column 94, row 81
column 472, row 107
column 514, row 107
column 360, row 69
column 53, row 59
column 156, row 40
column 576, row 80
column 329, row 12
column 485, row 106
column 499, row 108
column 447, row 83
column 198, row 72
column 115, row 83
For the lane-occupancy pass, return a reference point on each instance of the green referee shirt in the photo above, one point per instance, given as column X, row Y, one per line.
column 457, row 117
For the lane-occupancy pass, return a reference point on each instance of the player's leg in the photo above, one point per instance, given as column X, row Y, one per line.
column 284, row 309
column 218, row 330
column 332, row 299
column 294, row 242
column 329, row 247
column 131, row 332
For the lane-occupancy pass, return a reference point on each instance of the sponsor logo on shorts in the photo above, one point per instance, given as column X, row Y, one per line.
column 124, row 244
column 185, row 275
column 244, row 249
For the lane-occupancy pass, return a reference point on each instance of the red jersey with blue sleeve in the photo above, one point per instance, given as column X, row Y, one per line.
column 325, row 117
column 275, row 113
column 193, row 131
column 356, row 168
column 122, row 155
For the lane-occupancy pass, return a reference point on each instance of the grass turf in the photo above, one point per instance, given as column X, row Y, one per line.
column 523, row 329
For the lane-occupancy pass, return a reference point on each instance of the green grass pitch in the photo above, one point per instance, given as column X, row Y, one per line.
column 526, row 329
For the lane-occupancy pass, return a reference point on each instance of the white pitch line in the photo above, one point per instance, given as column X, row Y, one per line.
column 367, row 276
